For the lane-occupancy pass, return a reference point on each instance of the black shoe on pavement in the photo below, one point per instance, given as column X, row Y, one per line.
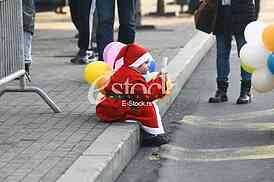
column 220, row 95
column 79, row 60
column 84, row 58
column 245, row 94
column 155, row 140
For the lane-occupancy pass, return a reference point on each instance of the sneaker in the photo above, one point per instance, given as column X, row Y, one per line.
column 27, row 72
column 84, row 58
column 27, row 69
column 80, row 58
column 92, row 56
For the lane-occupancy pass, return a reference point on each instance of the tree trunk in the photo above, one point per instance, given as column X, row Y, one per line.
column 160, row 7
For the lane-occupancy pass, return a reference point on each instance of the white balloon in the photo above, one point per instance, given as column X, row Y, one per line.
column 254, row 55
column 262, row 80
column 253, row 32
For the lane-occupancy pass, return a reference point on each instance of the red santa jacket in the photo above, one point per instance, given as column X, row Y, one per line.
column 128, row 93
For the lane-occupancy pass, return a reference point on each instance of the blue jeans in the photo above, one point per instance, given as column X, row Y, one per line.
column 127, row 20
column 223, row 54
column 27, row 47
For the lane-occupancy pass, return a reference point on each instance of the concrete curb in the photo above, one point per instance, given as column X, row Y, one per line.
column 105, row 159
column 184, row 63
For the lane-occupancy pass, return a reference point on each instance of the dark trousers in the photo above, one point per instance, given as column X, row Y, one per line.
column 127, row 20
column 223, row 41
column 80, row 14
column 223, row 54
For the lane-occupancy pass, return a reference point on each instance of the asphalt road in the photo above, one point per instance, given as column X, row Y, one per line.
column 211, row 142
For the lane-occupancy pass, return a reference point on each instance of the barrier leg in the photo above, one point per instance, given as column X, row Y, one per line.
column 37, row 90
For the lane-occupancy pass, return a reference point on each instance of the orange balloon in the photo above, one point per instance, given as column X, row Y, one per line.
column 268, row 37
column 103, row 81
column 170, row 86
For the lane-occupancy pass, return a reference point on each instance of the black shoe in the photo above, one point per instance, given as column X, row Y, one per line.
column 80, row 58
column 220, row 95
column 155, row 140
column 244, row 99
column 245, row 95
column 84, row 58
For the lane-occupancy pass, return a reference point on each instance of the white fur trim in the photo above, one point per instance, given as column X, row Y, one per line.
column 160, row 129
column 140, row 60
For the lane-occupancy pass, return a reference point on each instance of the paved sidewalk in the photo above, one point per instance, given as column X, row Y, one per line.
column 38, row 145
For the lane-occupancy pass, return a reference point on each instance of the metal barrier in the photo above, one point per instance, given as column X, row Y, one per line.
column 11, row 50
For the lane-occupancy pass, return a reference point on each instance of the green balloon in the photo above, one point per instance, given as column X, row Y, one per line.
column 248, row 68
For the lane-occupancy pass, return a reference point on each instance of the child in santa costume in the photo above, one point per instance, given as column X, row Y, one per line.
column 128, row 97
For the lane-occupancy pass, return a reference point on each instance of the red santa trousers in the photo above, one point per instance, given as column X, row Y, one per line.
column 145, row 113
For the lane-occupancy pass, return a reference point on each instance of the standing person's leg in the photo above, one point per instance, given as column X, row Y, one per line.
column 223, row 42
column 85, row 10
column 127, row 20
column 245, row 95
column 27, row 52
column 94, row 32
column 223, row 67
column 105, row 13
column 28, row 24
column 27, row 47
column 74, row 13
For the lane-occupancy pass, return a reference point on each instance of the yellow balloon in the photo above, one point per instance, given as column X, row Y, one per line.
column 268, row 37
column 248, row 68
column 95, row 70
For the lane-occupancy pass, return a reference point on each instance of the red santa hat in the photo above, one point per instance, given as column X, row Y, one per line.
column 134, row 55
